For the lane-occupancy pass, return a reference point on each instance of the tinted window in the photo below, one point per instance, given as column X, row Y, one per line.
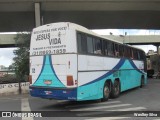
column 127, row 52
column 90, row 45
column 138, row 55
column 130, row 53
column 116, row 50
column 110, row 47
column 97, row 46
column 94, row 45
column 105, row 49
column 142, row 55
column 81, row 41
column 135, row 55
column 121, row 51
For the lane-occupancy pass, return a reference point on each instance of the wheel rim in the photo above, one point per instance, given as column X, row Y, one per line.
column 106, row 91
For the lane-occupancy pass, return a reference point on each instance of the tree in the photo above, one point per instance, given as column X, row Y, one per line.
column 11, row 67
column 21, row 59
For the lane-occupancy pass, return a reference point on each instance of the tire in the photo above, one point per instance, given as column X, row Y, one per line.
column 142, row 82
column 106, row 91
column 115, row 89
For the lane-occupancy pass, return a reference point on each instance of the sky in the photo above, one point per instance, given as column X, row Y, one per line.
column 6, row 54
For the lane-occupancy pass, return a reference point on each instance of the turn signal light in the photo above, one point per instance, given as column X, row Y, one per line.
column 76, row 82
column 70, row 80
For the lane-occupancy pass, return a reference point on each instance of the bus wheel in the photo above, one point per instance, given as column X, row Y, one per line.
column 106, row 91
column 115, row 89
column 142, row 82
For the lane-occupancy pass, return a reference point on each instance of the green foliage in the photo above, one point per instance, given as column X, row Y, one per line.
column 11, row 67
column 21, row 59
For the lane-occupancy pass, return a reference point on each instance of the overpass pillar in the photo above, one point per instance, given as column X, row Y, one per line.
column 157, row 49
column 37, row 7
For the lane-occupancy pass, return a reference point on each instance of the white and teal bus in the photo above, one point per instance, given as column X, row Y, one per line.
column 70, row 62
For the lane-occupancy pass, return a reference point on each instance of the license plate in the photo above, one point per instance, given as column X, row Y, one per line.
column 47, row 82
column 48, row 92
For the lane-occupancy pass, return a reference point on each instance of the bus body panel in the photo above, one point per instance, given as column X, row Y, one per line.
column 53, row 39
column 59, row 71
column 52, row 60
column 54, row 93
column 92, row 87
column 55, row 69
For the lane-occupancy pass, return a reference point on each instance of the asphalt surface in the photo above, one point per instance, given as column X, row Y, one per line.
column 139, row 101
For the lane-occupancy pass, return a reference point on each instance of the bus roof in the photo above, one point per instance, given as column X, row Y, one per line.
column 85, row 30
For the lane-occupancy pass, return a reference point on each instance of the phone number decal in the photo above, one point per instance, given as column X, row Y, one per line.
column 44, row 52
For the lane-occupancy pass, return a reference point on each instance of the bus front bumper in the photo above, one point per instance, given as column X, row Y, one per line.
column 54, row 93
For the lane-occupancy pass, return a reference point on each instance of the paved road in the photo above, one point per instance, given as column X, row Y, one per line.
column 138, row 99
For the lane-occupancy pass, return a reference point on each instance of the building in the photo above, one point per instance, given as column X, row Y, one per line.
column 2, row 67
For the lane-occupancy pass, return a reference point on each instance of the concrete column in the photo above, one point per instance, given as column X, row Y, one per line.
column 37, row 14
column 158, row 50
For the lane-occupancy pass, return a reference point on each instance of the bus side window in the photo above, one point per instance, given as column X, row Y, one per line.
column 97, row 46
column 116, row 50
column 131, row 53
column 125, row 51
column 104, row 47
column 110, row 47
column 90, row 45
column 142, row 55
column 121, row 51
column 138, row 55
column 81, row 41
column 128, row 52
column 135, row 54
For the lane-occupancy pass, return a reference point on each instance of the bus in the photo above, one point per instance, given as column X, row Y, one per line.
column 70, row 62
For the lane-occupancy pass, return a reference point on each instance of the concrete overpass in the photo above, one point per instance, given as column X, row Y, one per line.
column 23, row 15
column 136, row 39
column 7, row 40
